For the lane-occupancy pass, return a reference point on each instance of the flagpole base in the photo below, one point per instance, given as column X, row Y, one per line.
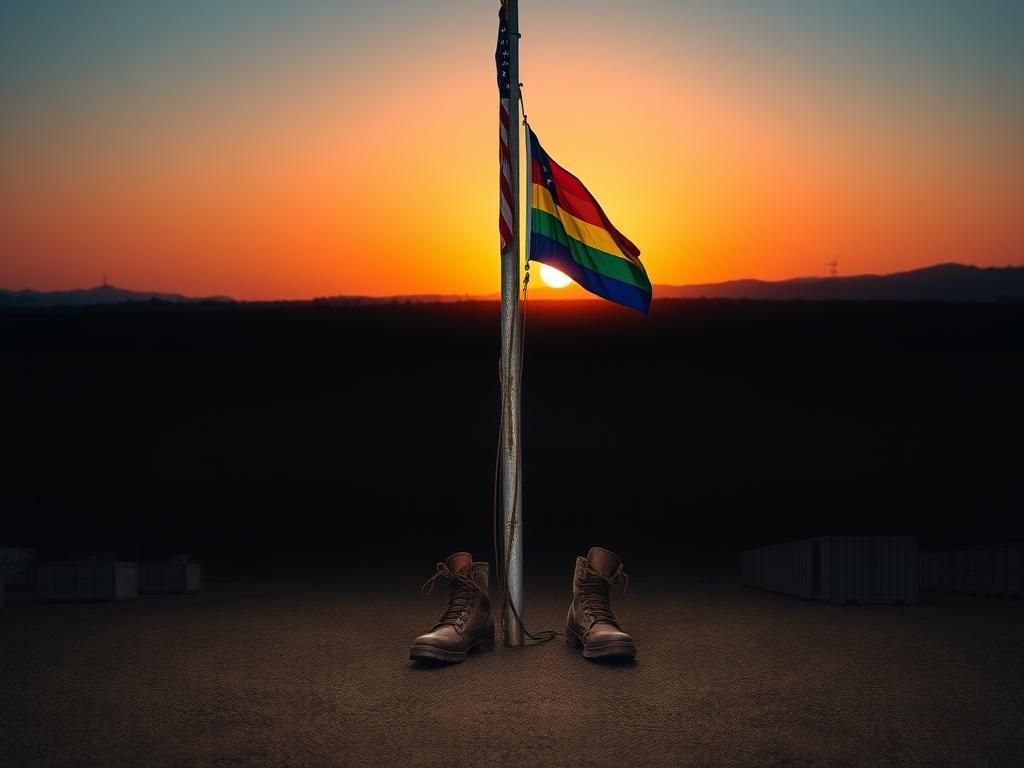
column 514, row 637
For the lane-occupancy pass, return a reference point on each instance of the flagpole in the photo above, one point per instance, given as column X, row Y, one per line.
column 511, row 367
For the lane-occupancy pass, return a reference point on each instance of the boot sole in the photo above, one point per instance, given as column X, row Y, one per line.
column 431, row 653
column 618, row 650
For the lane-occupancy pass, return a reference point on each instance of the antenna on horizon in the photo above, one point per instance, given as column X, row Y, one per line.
column 833, row 267
column 104, row 279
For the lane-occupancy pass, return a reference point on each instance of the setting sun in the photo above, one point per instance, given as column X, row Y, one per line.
column 553, row 278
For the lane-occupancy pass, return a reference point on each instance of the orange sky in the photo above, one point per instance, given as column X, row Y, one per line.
column 297, row 160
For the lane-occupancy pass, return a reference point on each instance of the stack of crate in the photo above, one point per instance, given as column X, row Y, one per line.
column 837, row 569
column 174, row 576
column 17, row 573
column 994, row 570
column 94, row 579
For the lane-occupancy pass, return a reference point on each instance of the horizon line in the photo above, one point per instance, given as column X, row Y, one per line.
column 547, row 293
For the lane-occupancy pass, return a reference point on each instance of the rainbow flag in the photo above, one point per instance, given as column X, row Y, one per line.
column 570, row 232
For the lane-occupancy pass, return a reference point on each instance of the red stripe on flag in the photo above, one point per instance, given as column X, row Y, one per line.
column 577, row 200
column 506, row 189
column 506, row 206
column 505, row 232
column 582, row 208
column 536, row 174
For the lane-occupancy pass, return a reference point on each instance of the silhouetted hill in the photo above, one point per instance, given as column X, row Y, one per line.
column 101, row 294
column 943, row 282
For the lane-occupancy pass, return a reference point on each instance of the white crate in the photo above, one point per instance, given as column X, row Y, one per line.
column 867, row 569
column 87, row 582
column 837, row 569
column 16, row 565
column 780, row 568
column 169, row 578
column 993, row 570
column 1015, row 571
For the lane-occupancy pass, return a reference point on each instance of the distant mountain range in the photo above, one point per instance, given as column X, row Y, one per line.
column 102, row 294
column 943, row 282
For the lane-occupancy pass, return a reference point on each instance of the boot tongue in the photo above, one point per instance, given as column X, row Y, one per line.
column 603, row 561
column 460, row 561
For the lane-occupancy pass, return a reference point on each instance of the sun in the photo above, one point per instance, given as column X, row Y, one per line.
column 553, row 278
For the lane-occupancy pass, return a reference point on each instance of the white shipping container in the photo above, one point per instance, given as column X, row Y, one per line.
column 126, row 581
column 55, row 581
column 16, row 565
column 868, row 569
column 837, row 569
column 86, row 582
column 1014, row 566
column 170, row 578
column 779, row 568
column 784, row 568
column 985, row 570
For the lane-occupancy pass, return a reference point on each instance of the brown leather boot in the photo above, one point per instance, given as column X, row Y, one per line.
column 467, row 624
column 591, row 625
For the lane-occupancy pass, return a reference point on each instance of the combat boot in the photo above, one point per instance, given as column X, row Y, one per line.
column 467, row 624
column 591, row 625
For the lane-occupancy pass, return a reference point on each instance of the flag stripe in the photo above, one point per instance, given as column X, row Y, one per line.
column 506, row 223
column 576, row 228
column 593, row 259
column 573, row 188
column 503, row 219
column 556, row 254
column 506, row 194
column 582, row 208
column 578, row 200
column 570, row 232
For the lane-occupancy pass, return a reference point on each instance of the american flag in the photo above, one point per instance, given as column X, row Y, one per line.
column 506, row 219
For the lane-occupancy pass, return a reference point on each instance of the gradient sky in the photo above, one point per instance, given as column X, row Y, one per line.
column 270, row 149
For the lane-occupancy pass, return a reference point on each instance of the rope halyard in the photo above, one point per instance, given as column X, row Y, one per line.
column 544, row 635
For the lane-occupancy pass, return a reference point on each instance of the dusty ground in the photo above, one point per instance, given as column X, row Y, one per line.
column 315, row 673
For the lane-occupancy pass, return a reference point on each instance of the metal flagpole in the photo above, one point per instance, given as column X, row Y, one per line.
column 511, row 366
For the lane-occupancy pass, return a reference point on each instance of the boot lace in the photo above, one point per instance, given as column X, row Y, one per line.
column 460, row 602
column 594, row 589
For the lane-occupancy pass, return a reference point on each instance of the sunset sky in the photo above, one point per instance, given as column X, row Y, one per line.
column 268, row 149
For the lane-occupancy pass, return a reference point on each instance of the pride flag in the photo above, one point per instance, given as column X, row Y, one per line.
column 570, row 232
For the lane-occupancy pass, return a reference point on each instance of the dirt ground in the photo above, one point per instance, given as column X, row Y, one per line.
column 315, row 672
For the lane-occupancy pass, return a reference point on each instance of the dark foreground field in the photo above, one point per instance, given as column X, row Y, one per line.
column 276, row 442
column 227, row 431
column 314, row 672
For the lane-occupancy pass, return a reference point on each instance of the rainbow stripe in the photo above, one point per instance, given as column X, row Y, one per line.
column 570, row 232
